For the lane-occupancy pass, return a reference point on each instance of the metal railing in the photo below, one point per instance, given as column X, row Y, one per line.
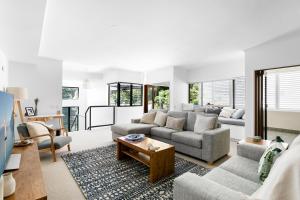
column 88, row 117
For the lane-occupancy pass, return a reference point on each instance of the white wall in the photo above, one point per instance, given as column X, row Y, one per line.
column 3, row 71
column 43, row 79
column 160, row 75
column 282, row 51
column 223, row 70
column 284, row 120
column 178, row 89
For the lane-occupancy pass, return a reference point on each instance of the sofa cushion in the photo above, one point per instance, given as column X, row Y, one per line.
column 238, row 122
column 160, row 118
column 175, row 123
column 162, row 132
column 204, row 123
column 243, row 167
column 191, row 119
column 232, row 181
column 125, row 129
column 188, row 138
column 148, row 118
column 178, row 114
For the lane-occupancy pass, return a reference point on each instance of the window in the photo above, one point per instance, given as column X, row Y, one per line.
column 239, row 92
column 194, row 93
column 217, row 92
column 125, row 94
column 70, row 93
column 113, row 94
column 136, row 95
column 71, row 120
column 283, row 90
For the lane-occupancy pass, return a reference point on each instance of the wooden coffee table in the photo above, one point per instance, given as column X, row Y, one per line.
column 161, row 162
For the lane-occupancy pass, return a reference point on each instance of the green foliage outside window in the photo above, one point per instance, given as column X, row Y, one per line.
column 194, row 93
column 70, row 93
column 130, row 94
column 162, row 100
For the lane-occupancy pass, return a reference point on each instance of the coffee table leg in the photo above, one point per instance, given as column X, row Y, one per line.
column 162, row 164
column 120, row 154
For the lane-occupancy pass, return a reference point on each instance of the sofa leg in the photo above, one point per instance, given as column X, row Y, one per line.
column 69, row 148
column 53, row 155
column 210, row 163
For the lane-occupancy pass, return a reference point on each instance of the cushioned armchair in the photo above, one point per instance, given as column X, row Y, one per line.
column 52, row 144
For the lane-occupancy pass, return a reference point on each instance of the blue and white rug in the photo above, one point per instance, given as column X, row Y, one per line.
column 101, row 176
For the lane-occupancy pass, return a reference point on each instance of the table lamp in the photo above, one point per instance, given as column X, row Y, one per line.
column 19, row 94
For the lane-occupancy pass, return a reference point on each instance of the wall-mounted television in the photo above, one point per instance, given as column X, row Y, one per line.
column 7, row 136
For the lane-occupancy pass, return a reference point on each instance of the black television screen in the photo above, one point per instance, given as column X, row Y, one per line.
column 7, row 136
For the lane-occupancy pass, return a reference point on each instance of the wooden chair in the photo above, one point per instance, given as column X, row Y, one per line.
column 53, row 143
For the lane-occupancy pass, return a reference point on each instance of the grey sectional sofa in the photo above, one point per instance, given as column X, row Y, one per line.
column 233, row 180
column 209, row 146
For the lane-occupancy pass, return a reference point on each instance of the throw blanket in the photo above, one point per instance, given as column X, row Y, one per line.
column 283, row 181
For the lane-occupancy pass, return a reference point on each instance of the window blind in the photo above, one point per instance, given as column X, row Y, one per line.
column 289, row 90
column 283, row 90
column 239, row 92
column 217, row 92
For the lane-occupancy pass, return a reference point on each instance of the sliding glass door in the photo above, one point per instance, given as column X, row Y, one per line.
column 277, row 107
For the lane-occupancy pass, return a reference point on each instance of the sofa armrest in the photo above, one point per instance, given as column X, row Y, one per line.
column 135, row 121
column 193, row 187
column 215, row 144
column 250, row 151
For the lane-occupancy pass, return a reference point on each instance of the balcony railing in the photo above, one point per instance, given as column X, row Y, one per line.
column 98, row 116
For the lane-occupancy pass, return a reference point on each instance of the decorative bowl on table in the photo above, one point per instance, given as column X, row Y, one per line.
column 135, row 137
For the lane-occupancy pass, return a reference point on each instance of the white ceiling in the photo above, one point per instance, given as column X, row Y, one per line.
column 21, row 25
column 139, row 34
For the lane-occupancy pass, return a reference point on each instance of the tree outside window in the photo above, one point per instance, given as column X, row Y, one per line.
column 125, row 94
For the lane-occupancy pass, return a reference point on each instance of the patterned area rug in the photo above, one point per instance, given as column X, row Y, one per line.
column 101, row 176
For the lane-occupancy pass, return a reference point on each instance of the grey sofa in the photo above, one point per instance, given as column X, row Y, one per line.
column 233, row 180
column 209, row 146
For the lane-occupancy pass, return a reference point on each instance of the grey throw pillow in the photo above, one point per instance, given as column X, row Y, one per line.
column 175, row 123
column 160, row 118
column 238, row 114
column 148, row 118
column 204, row 123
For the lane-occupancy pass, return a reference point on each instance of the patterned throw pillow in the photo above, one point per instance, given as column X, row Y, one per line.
column 267, row 160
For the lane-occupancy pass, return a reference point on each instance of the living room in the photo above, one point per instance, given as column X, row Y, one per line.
column 204, row 87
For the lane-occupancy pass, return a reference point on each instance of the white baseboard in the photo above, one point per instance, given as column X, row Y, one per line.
column 1, row 188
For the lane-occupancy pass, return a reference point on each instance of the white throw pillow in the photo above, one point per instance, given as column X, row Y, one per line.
column 175, row 123
column 226, row 112
column 160, row 118
column 38, row 128
column 204, row 123
column 148, row 118
column 244, row 116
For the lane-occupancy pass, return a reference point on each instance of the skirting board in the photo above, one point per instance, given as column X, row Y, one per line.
column 1, row 188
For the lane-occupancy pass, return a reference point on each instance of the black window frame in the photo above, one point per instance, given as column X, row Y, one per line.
column 72, row 88
column 68, row 117
column 131, row 85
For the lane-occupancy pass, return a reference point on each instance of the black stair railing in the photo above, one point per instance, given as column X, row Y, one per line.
column 88, row 117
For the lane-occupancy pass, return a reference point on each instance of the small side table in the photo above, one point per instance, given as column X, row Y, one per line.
column 262, row 142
